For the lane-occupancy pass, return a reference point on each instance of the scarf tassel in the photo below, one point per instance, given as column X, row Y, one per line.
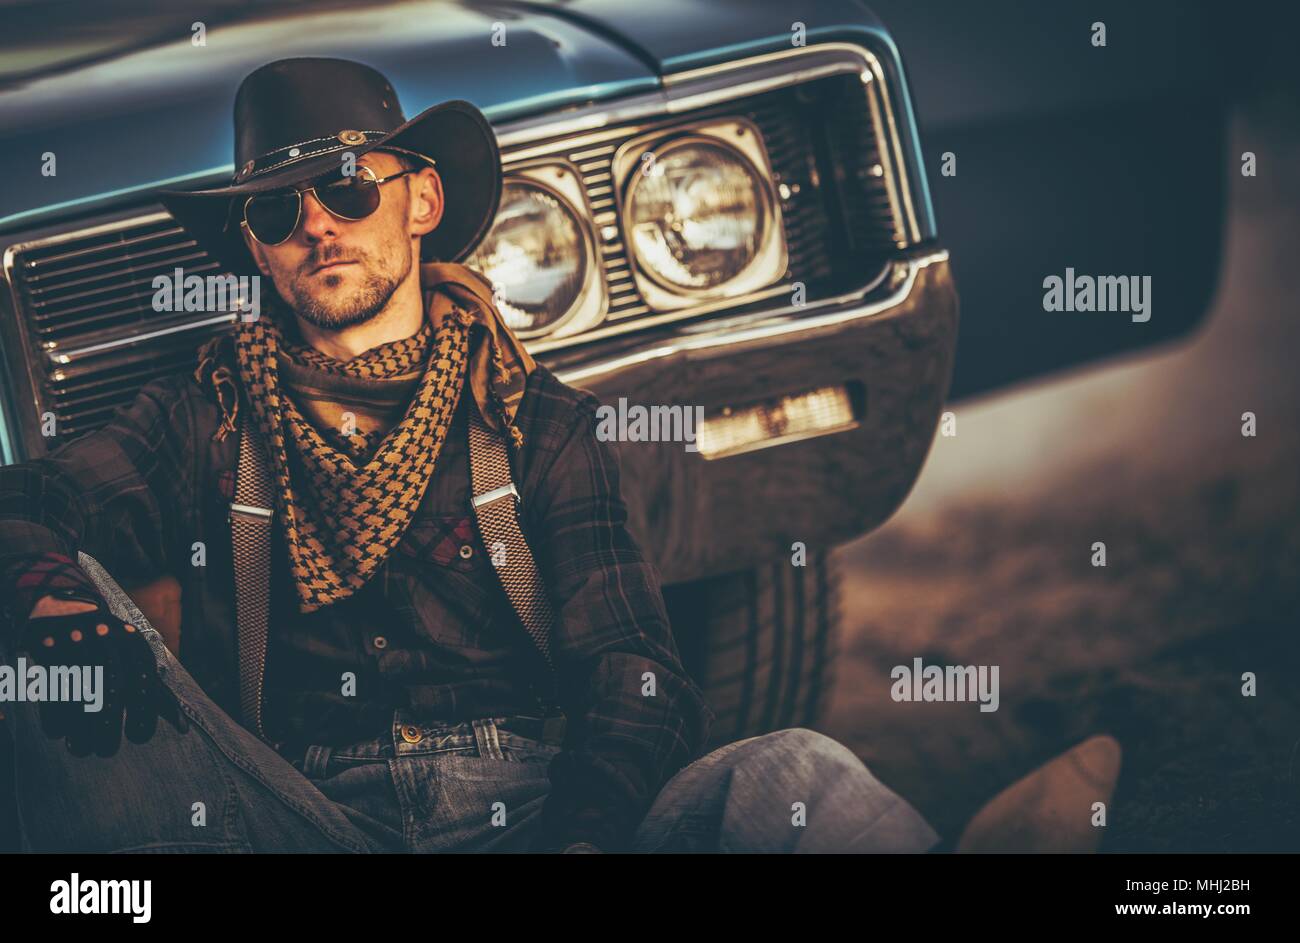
column 220, row 378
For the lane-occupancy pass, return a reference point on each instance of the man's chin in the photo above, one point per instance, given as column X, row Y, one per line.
column 336, row 320
column 331, row 315
column 331, row 303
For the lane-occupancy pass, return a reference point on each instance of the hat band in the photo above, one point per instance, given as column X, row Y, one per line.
column 303, row 150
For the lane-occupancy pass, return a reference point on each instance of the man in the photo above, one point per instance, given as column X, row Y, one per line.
column 401, row 705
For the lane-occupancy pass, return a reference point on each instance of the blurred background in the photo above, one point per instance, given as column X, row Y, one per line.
column 988, row 561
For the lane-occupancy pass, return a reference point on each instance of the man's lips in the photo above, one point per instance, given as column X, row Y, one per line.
column 329, row 265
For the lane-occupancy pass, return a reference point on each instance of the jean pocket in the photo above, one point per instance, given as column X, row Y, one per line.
column 471, row 766
column 519, row 749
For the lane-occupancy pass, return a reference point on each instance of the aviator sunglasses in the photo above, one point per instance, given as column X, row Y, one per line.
column 272, row 217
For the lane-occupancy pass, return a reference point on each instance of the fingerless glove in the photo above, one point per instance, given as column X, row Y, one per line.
column 133, row 696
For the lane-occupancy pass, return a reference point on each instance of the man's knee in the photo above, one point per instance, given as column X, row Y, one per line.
column 815, row 794
column 798, row 747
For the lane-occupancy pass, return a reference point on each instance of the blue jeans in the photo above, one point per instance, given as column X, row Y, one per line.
column 422, row 787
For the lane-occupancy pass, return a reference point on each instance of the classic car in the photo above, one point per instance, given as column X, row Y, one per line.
column 811, row 314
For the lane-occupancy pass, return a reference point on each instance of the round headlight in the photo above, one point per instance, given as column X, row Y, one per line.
column 535, row 255
column 696, row 215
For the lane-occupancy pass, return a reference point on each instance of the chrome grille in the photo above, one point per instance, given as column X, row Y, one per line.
column 86, row 318
column 89, row 287
column 594, row 165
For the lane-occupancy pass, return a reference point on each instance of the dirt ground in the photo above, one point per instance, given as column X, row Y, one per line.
column 989, row 562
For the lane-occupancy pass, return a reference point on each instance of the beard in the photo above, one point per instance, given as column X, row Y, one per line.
column 334, row 310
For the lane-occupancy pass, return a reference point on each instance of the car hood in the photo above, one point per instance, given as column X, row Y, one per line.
column 139, row 112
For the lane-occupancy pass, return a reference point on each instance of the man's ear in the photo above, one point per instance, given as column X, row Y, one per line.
column 426, row 201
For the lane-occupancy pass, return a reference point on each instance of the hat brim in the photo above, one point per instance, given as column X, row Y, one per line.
column 454, row 133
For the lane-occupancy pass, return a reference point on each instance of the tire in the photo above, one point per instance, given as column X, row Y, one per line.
column 760, row 643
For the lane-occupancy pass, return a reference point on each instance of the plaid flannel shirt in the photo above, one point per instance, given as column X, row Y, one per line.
column 433, row 630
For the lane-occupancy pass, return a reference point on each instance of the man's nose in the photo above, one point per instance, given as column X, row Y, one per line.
column 317, row 222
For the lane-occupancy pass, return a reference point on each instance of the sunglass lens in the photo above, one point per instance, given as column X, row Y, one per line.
column 272, row 216
column 353, row 197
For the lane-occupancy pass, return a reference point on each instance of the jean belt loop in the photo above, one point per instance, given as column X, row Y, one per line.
column 485, row 738
column 316, row 761
column 554, row 727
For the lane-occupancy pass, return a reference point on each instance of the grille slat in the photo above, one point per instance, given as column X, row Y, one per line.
column 110, row 327
column 114, row 277
column 605, row 151
column 53, row 254
column 41, row 302
column 112, row 264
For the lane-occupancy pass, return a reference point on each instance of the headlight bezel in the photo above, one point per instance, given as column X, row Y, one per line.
column 562, row 181
column 765, row 273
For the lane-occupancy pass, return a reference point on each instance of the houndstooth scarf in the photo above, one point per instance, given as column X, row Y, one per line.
column 344, row 510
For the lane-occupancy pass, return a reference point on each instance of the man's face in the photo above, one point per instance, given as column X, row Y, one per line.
column 336, row 272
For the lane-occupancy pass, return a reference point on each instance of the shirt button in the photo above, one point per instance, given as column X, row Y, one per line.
column 466, row 551
column 411, row 734
column 380, row 642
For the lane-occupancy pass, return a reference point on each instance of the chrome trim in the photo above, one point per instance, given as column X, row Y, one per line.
column 58, row 357
column 97, row 230
column 487, row 497
column 893, row 161
column 248, row 510
column 28, row 367
column 641, row 323
column 766, row 326
column 873, row 78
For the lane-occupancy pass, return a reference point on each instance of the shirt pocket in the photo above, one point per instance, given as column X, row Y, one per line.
column 446, row 540
column 449, row 581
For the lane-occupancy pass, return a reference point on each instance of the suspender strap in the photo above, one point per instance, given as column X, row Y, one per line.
column 250, row 534
column 496, row 509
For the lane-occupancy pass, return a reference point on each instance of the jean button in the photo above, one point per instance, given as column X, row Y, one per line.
column 411, row 733
column 466, row 551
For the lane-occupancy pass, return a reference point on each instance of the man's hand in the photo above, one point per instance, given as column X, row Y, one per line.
column 71, row 631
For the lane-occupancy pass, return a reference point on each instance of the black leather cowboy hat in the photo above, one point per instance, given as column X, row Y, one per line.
column 295, row 118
